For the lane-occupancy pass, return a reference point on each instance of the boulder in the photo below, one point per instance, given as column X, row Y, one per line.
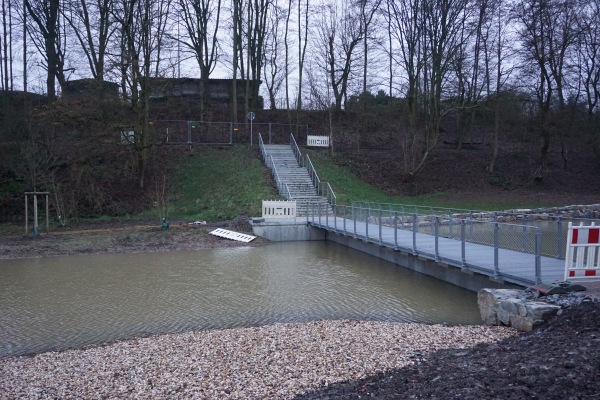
column 512, row 307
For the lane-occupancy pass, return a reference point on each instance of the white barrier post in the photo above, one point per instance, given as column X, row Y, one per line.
column 581, row 259
column 279, row 209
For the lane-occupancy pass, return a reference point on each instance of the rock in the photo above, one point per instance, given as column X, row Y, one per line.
column 514, row 308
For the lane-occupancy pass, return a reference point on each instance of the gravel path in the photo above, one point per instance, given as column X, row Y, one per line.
column 270, row 362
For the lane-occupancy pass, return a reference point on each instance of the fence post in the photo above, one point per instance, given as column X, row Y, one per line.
column 345, row 212
column 436, row 226
column 327, row 215
column 367, row 216
column 559, row 237
column 380, row 238
column 450, row 231
column 414, row 227
column 334, row 218
column 463, row 249
column 403, row 216
column 524, row 244
column 270, row 134
column 538, row 258
column 496, row 244
column 395, row 230
column 354, row 219
column 320, row 204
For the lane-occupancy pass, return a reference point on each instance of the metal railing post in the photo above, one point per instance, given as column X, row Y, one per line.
column 320, row 204
column 334, row 218
column 380, row 228
column 559, row 237
column 414, row 229
column 270, row 133
column 463, row 247
column 354, row 219
column 327, row 216
column 345, row 212
column 538, row 258
column 450, row 224
column 436, row 225
column 496, row 244
column 367, row 216
column 524, row 239
column 395, row 230
column 403, row 218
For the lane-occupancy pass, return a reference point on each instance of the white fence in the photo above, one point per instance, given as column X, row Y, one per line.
column 317, row 141
column 581, row 261
column 278, row 209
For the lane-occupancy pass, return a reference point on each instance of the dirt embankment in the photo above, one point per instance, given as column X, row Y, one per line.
column 122, row 237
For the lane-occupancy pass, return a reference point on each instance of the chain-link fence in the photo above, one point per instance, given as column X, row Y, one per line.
column 205, row 132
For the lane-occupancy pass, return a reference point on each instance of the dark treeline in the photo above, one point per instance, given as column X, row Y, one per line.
column 434, row 65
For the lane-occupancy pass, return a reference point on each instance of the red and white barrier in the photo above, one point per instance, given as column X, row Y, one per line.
column 582, row 256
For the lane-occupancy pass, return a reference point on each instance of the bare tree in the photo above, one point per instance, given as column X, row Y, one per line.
column 142, row 26
column 273, row 76
column 202, row 20
column 498, row 50
column 47, row 33
column 368, row 10
column 91, row 21
column 302, row 44
column 340, row 32
column 548, row 29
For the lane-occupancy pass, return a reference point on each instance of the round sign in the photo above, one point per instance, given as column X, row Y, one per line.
column 251, row 116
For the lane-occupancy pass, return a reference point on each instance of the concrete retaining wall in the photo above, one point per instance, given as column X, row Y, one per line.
column 286, row 230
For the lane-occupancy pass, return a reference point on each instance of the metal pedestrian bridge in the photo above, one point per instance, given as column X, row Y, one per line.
column 523, row 254
column 519, row 246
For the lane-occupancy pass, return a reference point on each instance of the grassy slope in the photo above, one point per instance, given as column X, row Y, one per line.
column 348, row 187
column 219, row 184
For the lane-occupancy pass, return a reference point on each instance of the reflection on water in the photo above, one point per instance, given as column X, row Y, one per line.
column 61, row 302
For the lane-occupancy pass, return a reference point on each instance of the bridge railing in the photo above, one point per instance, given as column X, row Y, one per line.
column 554, row 227
column 443, row 239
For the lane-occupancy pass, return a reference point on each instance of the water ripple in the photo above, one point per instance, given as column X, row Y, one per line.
column 63, row 302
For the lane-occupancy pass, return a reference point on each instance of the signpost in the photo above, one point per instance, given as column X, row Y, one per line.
column 251, row 117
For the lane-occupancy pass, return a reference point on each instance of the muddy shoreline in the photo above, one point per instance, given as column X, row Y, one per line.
column 122, row 237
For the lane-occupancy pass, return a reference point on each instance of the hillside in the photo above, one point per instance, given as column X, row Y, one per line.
column 75, row 152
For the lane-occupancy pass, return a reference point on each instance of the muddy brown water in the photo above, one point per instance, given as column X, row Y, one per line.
column 55, row 303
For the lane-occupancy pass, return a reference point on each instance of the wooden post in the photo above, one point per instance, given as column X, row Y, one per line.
column 35, row 211
column 35, row 215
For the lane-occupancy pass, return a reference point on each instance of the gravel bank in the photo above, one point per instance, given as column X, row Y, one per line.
column 268, row 362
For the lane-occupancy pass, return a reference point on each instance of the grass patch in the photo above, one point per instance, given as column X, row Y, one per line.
column 220, row 184
column 348, row 187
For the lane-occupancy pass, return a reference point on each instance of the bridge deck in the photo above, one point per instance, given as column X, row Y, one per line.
column 513, row 266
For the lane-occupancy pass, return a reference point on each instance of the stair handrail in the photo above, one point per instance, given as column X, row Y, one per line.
column 314, row 177
column 261, row 144
column 276, row 175
column 289, row 193
column 296, row 149
column 331, row 197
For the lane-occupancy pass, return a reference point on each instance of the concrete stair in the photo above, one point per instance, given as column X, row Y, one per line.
column 290, row 172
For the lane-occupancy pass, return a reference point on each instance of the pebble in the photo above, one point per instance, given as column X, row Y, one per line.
column 276, row 361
